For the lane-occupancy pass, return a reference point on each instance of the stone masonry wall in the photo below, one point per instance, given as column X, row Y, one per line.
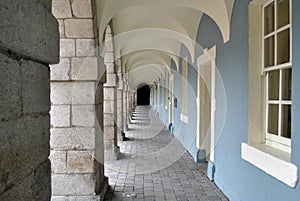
column 29, row 41
column 77, row 105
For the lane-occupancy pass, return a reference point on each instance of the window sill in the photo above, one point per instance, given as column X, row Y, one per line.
column 272, row 161
column 184, row 118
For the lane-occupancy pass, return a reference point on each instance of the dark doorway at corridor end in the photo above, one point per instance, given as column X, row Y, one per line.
column 143, row 95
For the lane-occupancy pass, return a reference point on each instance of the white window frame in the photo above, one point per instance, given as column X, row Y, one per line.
column 273, row 161
column 276, row 141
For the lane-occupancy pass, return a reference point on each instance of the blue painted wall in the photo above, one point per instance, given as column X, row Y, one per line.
column 238, row 179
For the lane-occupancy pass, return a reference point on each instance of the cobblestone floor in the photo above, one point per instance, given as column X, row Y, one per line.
column 155, row 166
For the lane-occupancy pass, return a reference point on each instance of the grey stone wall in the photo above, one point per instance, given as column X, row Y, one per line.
column 29, row 41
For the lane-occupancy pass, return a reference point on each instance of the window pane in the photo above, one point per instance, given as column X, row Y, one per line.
column 269, row 18
column 269, row 51
column 273, row 119
column 274, row 85
column 283, row 49
column 286, row 121
column 283, row 13
column 287, row 84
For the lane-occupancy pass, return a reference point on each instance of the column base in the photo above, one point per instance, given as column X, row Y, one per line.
column 99, row 197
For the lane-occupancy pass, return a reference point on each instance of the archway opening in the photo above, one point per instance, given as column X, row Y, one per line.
column 143, row 95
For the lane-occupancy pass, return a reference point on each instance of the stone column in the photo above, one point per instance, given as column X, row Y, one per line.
column 120, row 120
column 110, row 101
column 125, row 109
column 29, row 42
column 76, row 111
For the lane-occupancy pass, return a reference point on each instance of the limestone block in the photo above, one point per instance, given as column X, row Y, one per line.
column 61, row 9
column 85, row 47
column 61, row 28
column 73, row 184
column 109, row 57
column 109, row 46
column 82, row 8
column 79, row 28
column 72, row 93
column 67, row 47
column 60, row 71
column 111, row 80
column 108, row 107
column 80, row 161
column 109, row 93
column 110, row 68
column 84, row 68
column 35, row 87
column 58, row 161
column 108, row 120
column 11, row 89
column 60, row 115
column 83, row 115
column 35, row 36
column 75, row 138
column 60, row 198
column 109, row 132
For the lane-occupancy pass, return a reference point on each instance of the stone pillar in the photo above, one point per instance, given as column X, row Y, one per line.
column 110, row 101
column 76, row 111
column 125, row 109
column 29, row 41
column 120, row 121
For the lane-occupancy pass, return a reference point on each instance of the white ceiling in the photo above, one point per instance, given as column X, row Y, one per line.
column 148, row 34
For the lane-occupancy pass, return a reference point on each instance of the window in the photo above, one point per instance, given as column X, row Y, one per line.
column 277, row 69
column 270, row 71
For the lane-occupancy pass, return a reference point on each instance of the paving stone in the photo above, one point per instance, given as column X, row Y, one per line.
column 154, row 177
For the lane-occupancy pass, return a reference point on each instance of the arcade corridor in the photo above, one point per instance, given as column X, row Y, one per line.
column 154, row 166
column 149, row 100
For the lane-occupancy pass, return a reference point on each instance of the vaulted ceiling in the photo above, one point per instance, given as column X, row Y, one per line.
column 148, row 34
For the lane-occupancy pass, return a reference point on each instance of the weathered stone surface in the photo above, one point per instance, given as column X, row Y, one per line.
column 110, row 68
column 85, row 47
column 84, row 68
column 35, row 87
column 67, row 48
column 24, row 146
column 82, row 8
column 109, row 58
column 73, row 184
column 35, row 36
column 58, row 161
column 111, row 80
column 61, row 9
column 60, row 71
column 42, row 181
column 10, row 90
column 72, row 138
column 60, row 115
column 80, row 161
column 108, row 107
column 73, row 93
column 109, row 132
column 108, row 120
column 79, row 28
column 109, row 93
column 61, row 28
column 83, row 115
